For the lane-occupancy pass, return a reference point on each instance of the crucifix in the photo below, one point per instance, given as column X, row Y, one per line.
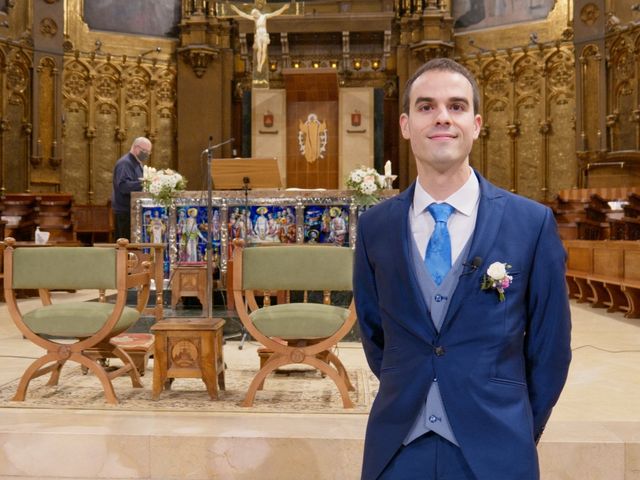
column 259, row 14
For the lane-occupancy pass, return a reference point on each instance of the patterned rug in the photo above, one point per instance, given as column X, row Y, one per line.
column 286, row 391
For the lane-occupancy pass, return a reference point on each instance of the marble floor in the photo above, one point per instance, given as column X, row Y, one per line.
column 594, row 432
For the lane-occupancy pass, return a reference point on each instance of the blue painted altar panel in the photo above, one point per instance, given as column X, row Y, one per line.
column 258, row 217
column 327, row 224
column 155, row 222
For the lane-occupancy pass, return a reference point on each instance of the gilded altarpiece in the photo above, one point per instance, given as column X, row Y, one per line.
column 590, row 62
column 623, row 114
column 15, row 128
column 523, row 132
column 559, row 127
column 107, row 103
column 496, row 102
column 45, row 162
column 528, row 101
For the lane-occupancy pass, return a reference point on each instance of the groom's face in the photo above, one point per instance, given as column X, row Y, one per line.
column 441, row 124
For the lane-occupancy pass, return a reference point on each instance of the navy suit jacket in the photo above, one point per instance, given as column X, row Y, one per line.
column 503, row 364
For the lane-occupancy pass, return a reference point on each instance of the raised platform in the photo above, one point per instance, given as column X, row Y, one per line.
column 46, row 445
column 594, row 433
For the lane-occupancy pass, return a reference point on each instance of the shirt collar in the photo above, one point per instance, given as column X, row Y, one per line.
column 464, row 200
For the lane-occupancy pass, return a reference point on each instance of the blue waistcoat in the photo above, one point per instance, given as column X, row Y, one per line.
column 433, row 415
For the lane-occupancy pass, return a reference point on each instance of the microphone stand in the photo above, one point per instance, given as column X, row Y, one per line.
column 245, row 186
column 243, row 334
column 209, row 249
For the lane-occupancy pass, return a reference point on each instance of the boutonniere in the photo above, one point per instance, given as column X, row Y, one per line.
column 497, row 278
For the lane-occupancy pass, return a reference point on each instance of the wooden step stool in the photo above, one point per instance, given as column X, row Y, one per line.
column 139, row 346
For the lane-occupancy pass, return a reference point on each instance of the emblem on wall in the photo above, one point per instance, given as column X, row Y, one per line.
column 312, row 138
column 356, row 118
column 267, row 119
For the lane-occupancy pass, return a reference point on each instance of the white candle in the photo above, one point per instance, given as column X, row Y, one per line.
column 387, row 168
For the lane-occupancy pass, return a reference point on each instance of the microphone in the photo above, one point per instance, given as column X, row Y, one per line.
column 473, row 265
column 212, row 148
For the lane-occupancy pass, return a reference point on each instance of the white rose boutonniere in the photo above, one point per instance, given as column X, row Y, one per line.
column 497, row 278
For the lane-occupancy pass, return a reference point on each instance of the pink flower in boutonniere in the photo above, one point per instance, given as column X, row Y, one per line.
column 497, row 278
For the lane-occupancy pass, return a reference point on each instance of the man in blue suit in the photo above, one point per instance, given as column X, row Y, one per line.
column 462, row 305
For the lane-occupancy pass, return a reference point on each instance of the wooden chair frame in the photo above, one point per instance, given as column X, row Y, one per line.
column 314, row 352
column 57, row 353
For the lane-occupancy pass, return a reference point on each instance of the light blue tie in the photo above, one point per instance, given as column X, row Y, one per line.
column 438, row 256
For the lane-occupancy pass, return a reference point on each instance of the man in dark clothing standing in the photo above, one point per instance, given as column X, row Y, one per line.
column 126, row 179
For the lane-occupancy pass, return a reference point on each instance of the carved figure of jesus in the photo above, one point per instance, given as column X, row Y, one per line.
column 261, row 40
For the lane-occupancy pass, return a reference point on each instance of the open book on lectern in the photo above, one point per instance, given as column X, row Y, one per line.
column 233, row 173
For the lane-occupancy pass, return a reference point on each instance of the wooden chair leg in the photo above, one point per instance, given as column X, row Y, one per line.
column 335, row 376
column 33, row 371
column 275, row 361
column 126, row 359
column 333, row 358
column 107, row 386
column 55, row 373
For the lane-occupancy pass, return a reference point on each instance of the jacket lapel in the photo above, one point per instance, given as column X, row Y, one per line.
column 422, row 324
column 490, row 213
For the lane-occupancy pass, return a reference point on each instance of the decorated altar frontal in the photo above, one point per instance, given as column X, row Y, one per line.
column 268, row 216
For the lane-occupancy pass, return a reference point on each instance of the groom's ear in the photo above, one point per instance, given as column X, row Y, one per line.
column 404, row 126
column 478, row 125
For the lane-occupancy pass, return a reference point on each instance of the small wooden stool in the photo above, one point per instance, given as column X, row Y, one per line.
column 189, row 281
column 139, row 346
column 188, row 348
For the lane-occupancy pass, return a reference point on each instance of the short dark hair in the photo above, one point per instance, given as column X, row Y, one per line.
column 447, row 65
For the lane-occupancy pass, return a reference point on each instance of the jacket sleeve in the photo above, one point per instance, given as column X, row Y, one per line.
column 126, row 179
column 366, row 300
column 547, row 341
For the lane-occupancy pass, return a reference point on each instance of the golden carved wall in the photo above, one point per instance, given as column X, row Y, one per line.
column 528, row 110
column 15, row 126
column 526, row 75
column 112, row 91
column 107, row 103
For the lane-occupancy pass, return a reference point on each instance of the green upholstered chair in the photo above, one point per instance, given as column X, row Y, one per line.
column 65, row 330
column 295, row 332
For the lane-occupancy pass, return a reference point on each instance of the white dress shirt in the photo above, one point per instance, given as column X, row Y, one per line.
column 461, row 222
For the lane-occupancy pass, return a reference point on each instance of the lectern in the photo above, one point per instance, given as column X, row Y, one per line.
column 240, row 173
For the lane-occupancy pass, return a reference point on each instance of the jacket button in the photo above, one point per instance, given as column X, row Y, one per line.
column 439, row 351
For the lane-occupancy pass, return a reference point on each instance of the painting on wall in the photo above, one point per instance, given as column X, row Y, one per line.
column 158, row 18
column 477, row 14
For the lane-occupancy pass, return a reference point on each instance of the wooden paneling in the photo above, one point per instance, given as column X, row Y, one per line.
column 312, row 96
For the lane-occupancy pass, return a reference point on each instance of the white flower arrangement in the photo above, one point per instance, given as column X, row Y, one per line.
column 367, row 183
column 162, row 184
